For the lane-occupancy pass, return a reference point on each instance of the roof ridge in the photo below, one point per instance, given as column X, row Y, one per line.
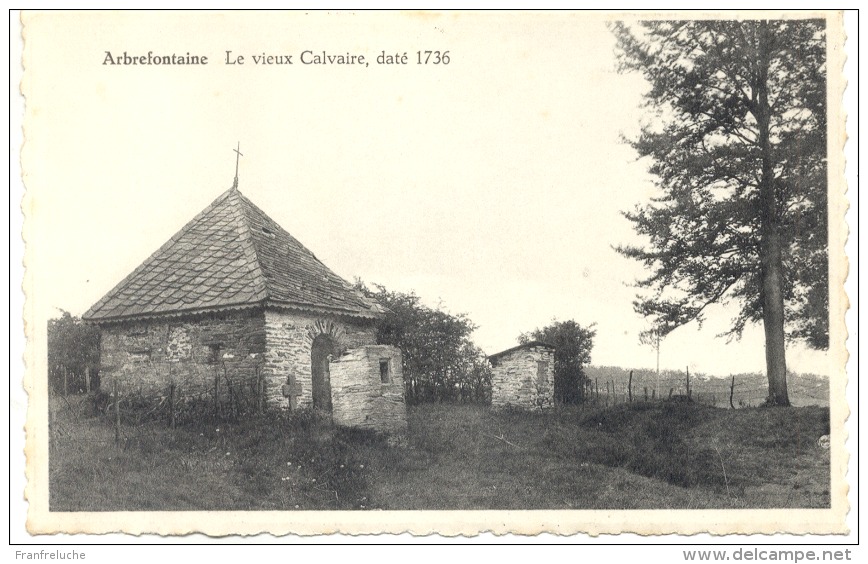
column 371, row 304
column 242, row 224
column 147, row 262
column 534, row 343
column 279, row 226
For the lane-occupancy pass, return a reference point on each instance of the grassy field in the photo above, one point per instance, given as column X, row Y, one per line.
column 663, row 455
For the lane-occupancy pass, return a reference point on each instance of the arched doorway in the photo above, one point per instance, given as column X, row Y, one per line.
column 322, row 349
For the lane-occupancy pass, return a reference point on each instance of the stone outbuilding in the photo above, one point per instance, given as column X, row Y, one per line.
column 523, row 376
column 233, row 302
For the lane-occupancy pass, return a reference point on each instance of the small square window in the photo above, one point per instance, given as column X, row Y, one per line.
column 385, row 376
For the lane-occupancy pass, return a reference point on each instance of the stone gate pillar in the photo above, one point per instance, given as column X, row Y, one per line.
column 368, row 389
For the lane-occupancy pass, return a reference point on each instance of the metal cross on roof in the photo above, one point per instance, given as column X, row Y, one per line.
column 237, row 156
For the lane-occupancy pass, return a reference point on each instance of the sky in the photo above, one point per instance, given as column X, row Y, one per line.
column 493, row 185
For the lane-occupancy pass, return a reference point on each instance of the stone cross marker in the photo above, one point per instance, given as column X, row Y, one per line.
column 292, row 390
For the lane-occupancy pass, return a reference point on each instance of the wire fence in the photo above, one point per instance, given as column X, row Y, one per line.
column 228, row 397
column 237, row 389
column 73, row 380
column 736, row 392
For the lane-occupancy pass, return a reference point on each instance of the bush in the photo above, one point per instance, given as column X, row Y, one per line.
column 439, row 360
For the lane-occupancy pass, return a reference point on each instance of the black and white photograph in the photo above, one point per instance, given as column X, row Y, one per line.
column 435, row 272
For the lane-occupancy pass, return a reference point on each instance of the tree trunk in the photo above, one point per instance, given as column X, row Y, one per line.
column 771, row 245
column 773, row 320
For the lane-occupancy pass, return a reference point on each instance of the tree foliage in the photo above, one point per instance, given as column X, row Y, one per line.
column 73, row 346
column 573, row 344
column 737, row 147
column 440, row 362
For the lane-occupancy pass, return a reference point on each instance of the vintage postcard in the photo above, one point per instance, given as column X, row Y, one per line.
column 435, row 272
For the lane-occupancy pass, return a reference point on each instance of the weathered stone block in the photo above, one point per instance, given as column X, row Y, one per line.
column 368, row 389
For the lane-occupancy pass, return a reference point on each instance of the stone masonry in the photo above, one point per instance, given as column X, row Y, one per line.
column 523, row 377
column 289, row 336
column 147, row 356
column 368, row 389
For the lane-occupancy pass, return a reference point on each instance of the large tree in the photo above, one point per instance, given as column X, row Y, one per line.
column 737, row 145
column 573, row 344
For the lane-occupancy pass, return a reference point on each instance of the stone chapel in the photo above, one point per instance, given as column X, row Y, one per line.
column 233, row 289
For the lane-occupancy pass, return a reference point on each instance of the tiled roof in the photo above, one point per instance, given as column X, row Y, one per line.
column 230, row 256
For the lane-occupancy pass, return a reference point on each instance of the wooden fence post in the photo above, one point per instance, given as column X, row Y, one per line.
column 688, row 381
column 646, row 393
column 630, row 388
column 607, row 393
column 653, row 394
column 231, row 397
column 260, row 392
column 597, row 382
column 87, row 380
column 64, row 382
column 217, row 392
column 50, row 410
column 731, row 391
column 117, row 413
column 172, row 405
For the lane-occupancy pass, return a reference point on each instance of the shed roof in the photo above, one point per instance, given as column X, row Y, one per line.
column 230, row 256
column 519, row 347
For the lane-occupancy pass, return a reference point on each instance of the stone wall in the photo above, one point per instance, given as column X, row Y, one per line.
column 147, row 356
column 366, row 394
column 288, row 337
column 519, row 380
